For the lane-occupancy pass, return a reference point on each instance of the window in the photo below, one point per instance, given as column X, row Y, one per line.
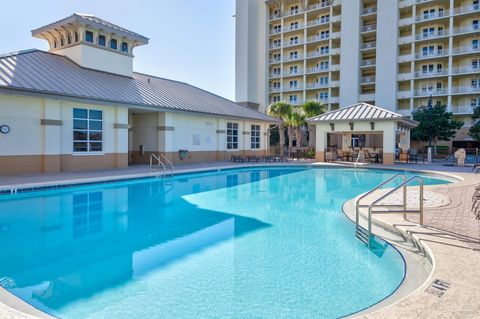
column 475, row 63
column 293, row 84
column 294, row 26
column 293, row 40
column 293, row 9
column 475, row 102
column 277, row 57
column 232, row 136
column 276, row 71
column 89, row 36
column 87, row 130
column 101, row 40
column 476, row 83
column 294, row 55
column 323, row 96
column 113, row 44
column 294, row 69
column 87, row 214
column 324, row 50
column 292, row 98
column 323, row 80
column 276, row 85
column 323, row 65
column 69, row 39
column 476, row 5
column 475, row 44
column 475, row 25
column 255, row 137
column 76, row 36
column 324, row 34
column 276, row 98
column 125, row 47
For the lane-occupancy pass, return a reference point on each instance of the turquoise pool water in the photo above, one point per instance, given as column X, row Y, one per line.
column 247, row 243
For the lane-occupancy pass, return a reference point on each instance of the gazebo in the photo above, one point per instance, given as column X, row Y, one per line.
column 362, row 127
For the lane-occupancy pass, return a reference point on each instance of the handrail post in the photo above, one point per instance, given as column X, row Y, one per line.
column 404, row 197
column 421, row 201
column 369, row 224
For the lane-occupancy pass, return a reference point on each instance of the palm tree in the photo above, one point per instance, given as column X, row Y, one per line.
column 297, row 119
column 311, row 109
column 290, row 124
column 281, row 111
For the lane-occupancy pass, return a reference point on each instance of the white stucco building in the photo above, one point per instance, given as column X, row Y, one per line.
column 81, row 106
column 390, row 53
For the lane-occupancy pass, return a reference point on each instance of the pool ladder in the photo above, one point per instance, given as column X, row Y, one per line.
column 162, row 162
column 365, row 234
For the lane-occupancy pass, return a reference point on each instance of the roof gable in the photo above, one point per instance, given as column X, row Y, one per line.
column 358, row 112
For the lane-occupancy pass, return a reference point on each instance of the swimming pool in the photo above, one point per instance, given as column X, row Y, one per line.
column 267, row 242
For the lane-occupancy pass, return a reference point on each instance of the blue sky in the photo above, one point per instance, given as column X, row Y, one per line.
column 190, row 40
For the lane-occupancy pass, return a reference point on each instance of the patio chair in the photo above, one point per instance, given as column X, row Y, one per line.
column 413, row 155
column 342, row 155
column 476, row 168
column 369, row 157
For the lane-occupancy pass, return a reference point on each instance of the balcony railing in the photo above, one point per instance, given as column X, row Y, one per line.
column 293, row 43
column 467, row 29
column 274, row 75
column 368, row 45
column 298, row 87
column 431, row 54
column 316, row 54
column 275, row 60
column 432, row 35
column 276, row 31
column 295, row 102
column 370, row 62
column 467, row 9
column 368, row 28
column 293, row 27
column 465, row 69
column 317, row 70
column 293, row 73
column 465, row 89
column 320, row 37
column 462, row 109
column 276, row 45
column 404, row 58
column 433, row 73
column 432, row 15
column 290, row 13
column 319, row 5
column 369, row 10
column 318, row 22
column 428, row 92
column 470, row 49
column 274, row 89
column 275, row 16
column 293, row 57
column 311, row 86
column 367, row 80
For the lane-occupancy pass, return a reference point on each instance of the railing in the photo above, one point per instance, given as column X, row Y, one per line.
column 433, row 73
column 431, row 16
column 370, row 27
column 368, row 45
column 317, row 54
column 467, row 9
column 275, row 60
column 466, row 29
column 466, row 49
column 431, row 54
column 293, row 73
column 317, row 85
column 292, row 57
column 168, row 163
column 368, row 62
column 428, row 92
column 369, row 10
column 462, row 109
column 365, row 236
column 367, row 79
column 432, row 35
column 320, row 37
column 318, row 22
column 317, row 70
column 276, row 45
column 293, row 43
column 465, row 69
column 159, row 162
column 466, row 89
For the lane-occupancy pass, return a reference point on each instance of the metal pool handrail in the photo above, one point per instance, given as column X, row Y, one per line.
column 404, row 211
column 157, row 158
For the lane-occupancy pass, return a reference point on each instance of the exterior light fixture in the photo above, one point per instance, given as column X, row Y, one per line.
column 332, row 126
column 351, row 126
column 372, row 125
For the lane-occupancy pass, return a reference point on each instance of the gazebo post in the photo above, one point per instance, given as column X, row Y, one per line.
column 389, row 140
column 321, row 143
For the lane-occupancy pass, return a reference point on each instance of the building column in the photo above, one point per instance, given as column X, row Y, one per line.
column 121, row 137
column 51, row 123
column 389, row 140
column 321, row 143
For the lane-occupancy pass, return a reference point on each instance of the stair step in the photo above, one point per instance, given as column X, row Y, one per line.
column 361, row 230
column 362, row 235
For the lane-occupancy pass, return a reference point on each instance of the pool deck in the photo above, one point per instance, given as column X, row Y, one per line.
column 451, row 237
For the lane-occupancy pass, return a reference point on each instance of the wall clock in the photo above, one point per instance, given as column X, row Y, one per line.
column 5, row 129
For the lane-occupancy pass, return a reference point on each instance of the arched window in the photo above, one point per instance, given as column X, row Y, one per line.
column 55, row 43
column 125, row 47
column 76, row 36
column 69, row 39
column 61, row 42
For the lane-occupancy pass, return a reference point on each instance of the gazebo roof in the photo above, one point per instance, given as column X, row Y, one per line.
column 362, row 112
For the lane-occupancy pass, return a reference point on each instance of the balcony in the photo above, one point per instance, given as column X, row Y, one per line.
column 404, row 58
column 275, row 16
column 335, row 84
column 369, row 97
column 276, row 45
column 334, row 67
column 292, row 73
column 466, row 29
column 298, row 87
column 465, row 70
column 431, row 54
column 369, row 28
column 335, row 51
column 368, row 45
column 274, row 89
column 432, row 16
column 289, row 58
column 405, row 3
column 432, row 35
column 274, row 75
column 291, row 13
column 294, row 102
column 405, row 39
column 275, row 60
column 404, row 76
column 369, row 10
column 335, row 35
column 318, row 22
column 466, row 49
column 403, row 94
column 317, row 54
column 293, row 43
column 317, row 70
column 313, row 86
column 405, row 21
column 465, row 89
column 462, row 109
column 467, row 9
column 275, row 31
column 428, row 92
column 404, row 112
column 295, row 27
column 428, row 74
column 368, row 63
column 324, row 5
column 367, row 80
column 320, row 37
